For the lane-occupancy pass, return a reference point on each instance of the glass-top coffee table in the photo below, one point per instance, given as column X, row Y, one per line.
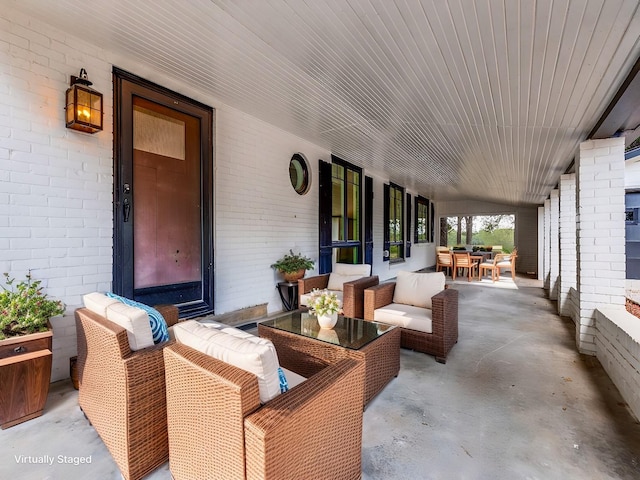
column 306, row 348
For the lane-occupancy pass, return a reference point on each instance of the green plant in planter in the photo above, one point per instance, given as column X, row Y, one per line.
column 292, row 262
column 24, row 308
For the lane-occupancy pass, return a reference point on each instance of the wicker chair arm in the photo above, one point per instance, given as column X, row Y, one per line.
column 304, row 423
column 305, row 285
column 353, row 295
column 103, row 331
column 445, row 312
column 169, row 313
column 377, row 297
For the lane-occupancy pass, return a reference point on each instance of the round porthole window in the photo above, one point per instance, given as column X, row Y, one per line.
column 299, row 174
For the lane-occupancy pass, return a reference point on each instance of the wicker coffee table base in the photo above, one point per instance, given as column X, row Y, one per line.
column 307, row 356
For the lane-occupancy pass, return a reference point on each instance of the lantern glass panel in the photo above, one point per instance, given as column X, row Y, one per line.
column 96, row 101
column 96, row 116
column 84, row 97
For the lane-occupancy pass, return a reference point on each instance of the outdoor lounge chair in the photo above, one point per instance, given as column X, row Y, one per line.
column 421, row 304
column 122, row 392
column 347, row 281
column 220, row 427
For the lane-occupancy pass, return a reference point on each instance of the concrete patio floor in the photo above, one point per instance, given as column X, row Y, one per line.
column 514, row 401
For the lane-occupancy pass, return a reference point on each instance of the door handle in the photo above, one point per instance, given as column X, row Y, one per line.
column 126, row 209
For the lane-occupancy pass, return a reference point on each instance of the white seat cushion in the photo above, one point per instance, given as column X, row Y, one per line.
column 418, row 288
column 406, row 316
column 135, row 321
column 235, row 347
column 293, row 378
column 305, row 297
column 503, row 265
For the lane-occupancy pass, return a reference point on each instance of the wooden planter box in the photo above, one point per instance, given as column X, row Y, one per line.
column 25, row 374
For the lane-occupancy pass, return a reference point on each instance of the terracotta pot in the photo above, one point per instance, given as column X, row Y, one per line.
column 294, row 276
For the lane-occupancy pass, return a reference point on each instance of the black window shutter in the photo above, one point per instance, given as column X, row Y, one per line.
column 415, row 223
column 408, row 230
column 324, row 217
column 368, row 220
column 432, row 218
column 387, row 244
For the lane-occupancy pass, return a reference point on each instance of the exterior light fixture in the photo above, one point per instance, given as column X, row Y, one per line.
column 84, row 105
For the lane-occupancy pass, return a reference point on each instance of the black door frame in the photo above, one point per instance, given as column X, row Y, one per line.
column 128, row 84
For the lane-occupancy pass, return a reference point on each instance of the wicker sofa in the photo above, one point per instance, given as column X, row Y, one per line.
column 347, row 281
column 422, row 306
column 122, row 392
column 218, row 428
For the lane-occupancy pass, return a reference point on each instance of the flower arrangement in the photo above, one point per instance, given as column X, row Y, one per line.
column 25, row 309
column 324, row 302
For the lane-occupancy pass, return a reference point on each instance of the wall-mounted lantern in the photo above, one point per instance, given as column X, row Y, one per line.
column 84, row 105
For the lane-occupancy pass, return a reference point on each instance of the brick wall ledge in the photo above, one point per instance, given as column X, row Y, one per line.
column 618, row 350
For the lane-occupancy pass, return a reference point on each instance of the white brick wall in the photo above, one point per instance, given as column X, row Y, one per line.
column 618, row 350
column 55, row 184
column 554, row 243
column 547, row 244
column 600, row 232
column 568, row 247
column 258, row 215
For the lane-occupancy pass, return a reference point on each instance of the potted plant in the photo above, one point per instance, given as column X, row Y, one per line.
column 25, row 349
column 293, row 266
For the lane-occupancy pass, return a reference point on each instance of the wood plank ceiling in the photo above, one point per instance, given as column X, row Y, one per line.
column 453, row 99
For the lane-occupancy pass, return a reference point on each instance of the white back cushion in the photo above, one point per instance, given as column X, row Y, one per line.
column 235, row 347
column 336, row 280
column 363, row 270
column 135, row 321
column 418, row 288
column 345, row 272
column 98, row 302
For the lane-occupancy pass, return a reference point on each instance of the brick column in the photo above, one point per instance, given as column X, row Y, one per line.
column 601, row 233
column 568, row 246
column 554, row 243
column 547, row 243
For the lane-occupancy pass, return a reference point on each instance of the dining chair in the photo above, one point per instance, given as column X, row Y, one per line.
column 462, row 261
column 444, row 261
column 490, row 265
column 507, row 263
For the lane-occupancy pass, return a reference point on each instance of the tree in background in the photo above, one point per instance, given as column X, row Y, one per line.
column 482, row 230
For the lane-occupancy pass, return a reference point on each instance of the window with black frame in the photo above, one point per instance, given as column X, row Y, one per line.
column 421, row 220
column 346, row 182
column 395, row 222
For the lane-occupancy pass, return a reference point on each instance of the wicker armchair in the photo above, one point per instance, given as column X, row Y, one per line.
column 352, row 294
column 122, row 392
column 444, row 320
column 219, row 430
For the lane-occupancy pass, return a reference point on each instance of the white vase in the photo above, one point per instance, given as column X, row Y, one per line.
column 327, row 321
